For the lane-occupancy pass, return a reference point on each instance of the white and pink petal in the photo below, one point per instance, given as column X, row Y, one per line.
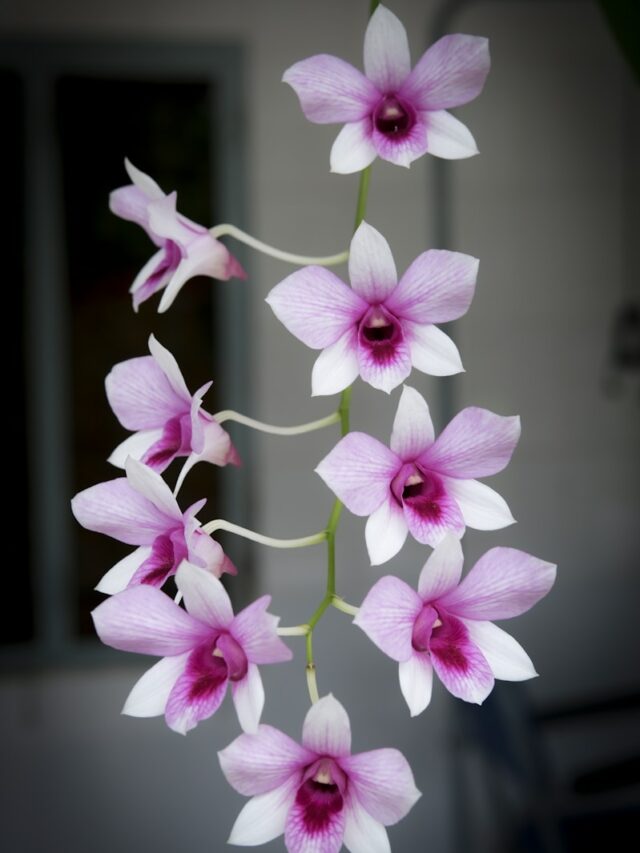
column 383, row 783
column 257, row 763
column 412, row 431
column 387, row 616
column 330, row 90
column 337, row 365
column 362, row 832
column 459, row 663
column 264, row 817
column 248, row 698
column 150, row 693
column 432, row 351
column 387, row 61
column 442, row 571
column 385, row 531
column 326, row 729
column 447, row 136
column 204, row 596
column 256, row 631
column 416, row 682
column 506, row 657
column 481, row 506
column 372, row 270
column 119, row 576
column 353, row 148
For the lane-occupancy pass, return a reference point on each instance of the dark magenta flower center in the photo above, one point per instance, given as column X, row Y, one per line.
column 421, row 490
column 380, row 333
column 320, row 795
column 393, row 117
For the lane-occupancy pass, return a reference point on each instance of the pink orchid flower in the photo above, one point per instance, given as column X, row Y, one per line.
column 379, row 327
column 140, row 509
column 185, row 249
column 391, row 111
column 204, row 648
column 318, row 794
column 149, row 395
column 444, row 625
column 423, row 484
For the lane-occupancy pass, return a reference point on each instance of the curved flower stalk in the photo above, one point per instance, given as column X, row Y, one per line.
column 422, row 484
column 445, row 626
column 379, row 327
column 149, row 395
column 392, row 111
column 140, row 509
column 318, row 794
column 204, row 649
column 185, row 249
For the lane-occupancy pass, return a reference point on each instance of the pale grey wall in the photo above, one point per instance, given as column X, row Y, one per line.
column 542, row 209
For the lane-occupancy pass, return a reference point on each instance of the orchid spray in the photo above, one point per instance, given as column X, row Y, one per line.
column 378, row 327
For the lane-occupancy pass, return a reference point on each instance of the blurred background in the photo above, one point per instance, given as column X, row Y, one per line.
column 191, row 93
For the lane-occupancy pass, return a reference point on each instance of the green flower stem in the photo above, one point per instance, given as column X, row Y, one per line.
column 230, row 415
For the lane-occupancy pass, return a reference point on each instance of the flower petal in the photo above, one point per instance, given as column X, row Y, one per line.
column 118, row 577
column 136, row 446
column 256, row 631
column 387, row 616
column 459, row 663
column 432, row 351
column 476, row 443
column 145, row 620
column 169, row 366
column 132, row 204
column 385, row 532
column 144, row 182
column 372, row 270
column 448, row 137
column 198, row 693
column 330, row 90
column 204, row 596
column 206, row 256
column 248, row 697
column 326, row 729
column 403, row 149
column 386, row 51
column 359, row 471
column 383, row 783
column 430, row 523
column 505, row 582
column 154, row 275
column 353, row 149
column 310, row 830
column 442, row 570
column 436, row 288
column 141, row 395
column 257, row 763
column 151, row 692
column 362, row 833
column 482, row 508
column 316, row 306
column 337, row 365
column 384, row 368
column 168, row 224
column 416, row 682
column 150, row 485
column 506, row 657
column 264, row 817
column 412, row 431
column 450, row 73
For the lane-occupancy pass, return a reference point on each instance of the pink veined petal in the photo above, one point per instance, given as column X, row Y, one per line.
column 117, row 510
column 204, row 596
column 206, row 553
column 353, row 149
column 136, row 446
column 150, row 485
column 248, row 698
column 436, row 288
column 173, row 442
column 257, row 763
column 316, row 306
column 362, row 832
column 145, row 620
column 144, row 182
column 214, row 443
column 337, row 366
column 384, row 368
column 482, row 508
column 432, row 351
column 359, row 471
column 430, row 523
column 447, row 137
column 372, row 270
column 205, row 256
column 383, row 783
column 132, row 204
column 450, row 73
column 256, row 631
column 386, row 51
column 160, row 564
column 153, row 276
column 198, row 692
column 412, row 431
column 403, row 149
column 385, row 532
column 387, row 616
column 150, row 693
column 326, row 729
column 118, row 577
column 506, row 657
column 330, row 90
column 416, row 682
column 459, row 663
column 441, row 573
column 505, row 582
column 168, row 224
column 264, row 817
column 169, row 366
column 476, row 443
column 311, row 829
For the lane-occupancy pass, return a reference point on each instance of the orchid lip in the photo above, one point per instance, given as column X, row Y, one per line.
column 393, row 116
column 321, row 794
column 420, row 490
column 380, row 333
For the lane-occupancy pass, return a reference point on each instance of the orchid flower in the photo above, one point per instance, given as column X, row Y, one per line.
column 140, row 509
column 423, row 484
column 204, row 648
column 149, row 394
column 318, row 794
column 444, row 625
column 392, row 111
column 379, row 327
column 185, row 249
